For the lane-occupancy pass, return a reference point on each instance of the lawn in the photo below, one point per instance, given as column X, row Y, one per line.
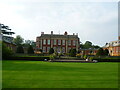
column 38, row 74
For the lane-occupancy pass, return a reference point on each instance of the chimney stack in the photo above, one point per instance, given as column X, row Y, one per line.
column 52, row 32
column 42, row 32
column 77, row 34
column 65, row 33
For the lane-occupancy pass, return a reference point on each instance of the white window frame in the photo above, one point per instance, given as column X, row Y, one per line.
column 59, row 42
column 48, row 41
column 44, row 41
column 69, row 42
column 63, row 42
column 54, row 42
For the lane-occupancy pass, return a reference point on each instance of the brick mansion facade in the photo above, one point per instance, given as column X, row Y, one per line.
column 113, row 47
column 59, row 42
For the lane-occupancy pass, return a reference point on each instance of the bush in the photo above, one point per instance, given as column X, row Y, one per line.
column 30, row 58
column 20, row 49
column 106, row 52
column 78, row 55
column 52, row 57
column 30, row 50
column 6, row 52
column 51, row 51
column 91, row 58
column 72, row 52
column 85, row 56
column 100, row 52
column 107, row 59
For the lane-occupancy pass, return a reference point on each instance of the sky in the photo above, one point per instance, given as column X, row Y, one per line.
column 95, row 21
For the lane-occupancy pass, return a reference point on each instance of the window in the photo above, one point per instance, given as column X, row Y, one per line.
column 59, row 42
column 48, row 42
column 44, row 49
column 54, row 42
column 69, row 42
column 44, row 41
column 58, row 49
column 63, row 49
column 69, row 48
column 63, row 42
column 48, row 48
column 74, row 42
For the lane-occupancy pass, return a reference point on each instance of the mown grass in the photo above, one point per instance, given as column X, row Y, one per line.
column 37, row 74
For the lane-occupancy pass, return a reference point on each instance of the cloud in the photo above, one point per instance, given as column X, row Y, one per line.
column 93, row 21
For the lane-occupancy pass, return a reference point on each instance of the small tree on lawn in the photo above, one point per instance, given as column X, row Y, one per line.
column 30, row 50
column 20, row 49
column 100, row 52
column 106, row 52
column 51, row 51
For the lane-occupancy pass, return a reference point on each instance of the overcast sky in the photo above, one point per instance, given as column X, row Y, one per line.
column 93, row 21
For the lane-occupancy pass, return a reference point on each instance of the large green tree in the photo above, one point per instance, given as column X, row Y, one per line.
column 100, row 52
column 106, row 52
column 30, row 50
column 20, row 49
column 27, row 43
column 18, row 40
column 88, row 45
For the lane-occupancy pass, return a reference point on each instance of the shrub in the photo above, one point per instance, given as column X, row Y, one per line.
column 106, row 52
column 20, row 49
column 29, row 58
column 73, row 52
column 78, row 55
column 6, row 52
column 51, row 51
column 30, row 50
column 91, row 58
column 85, row 56
column 100, row 52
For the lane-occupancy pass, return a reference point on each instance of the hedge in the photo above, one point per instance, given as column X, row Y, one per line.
column 107, row 60
column 30, row 58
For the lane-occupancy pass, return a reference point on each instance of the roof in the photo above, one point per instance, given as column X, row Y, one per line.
column 8, row 39
column 57, row 36
column 112, row 43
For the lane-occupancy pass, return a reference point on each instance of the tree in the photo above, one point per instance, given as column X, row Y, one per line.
column 73, row 52
column 20, row 49
column 106, row 52
column 51, row 51
column 28, row 43
column 88, row 45
column 18, row 40
column 6, row 52
column 100, row 52
column 30, row 50
column 96, row 46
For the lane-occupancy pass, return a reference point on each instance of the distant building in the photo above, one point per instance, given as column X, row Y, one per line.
column 113, row 47
column 59, row 42
column 6, row 37
column 89, row 51
column 9, row 42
